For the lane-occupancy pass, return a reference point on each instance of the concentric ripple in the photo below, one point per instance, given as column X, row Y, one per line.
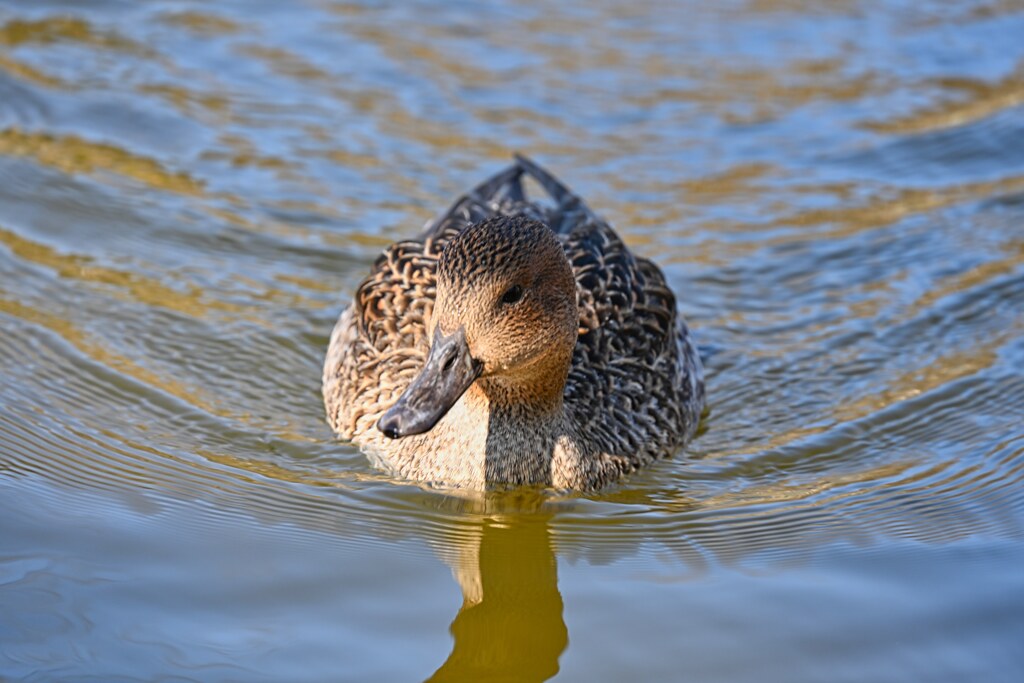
column 187, row 194
column 866, row 336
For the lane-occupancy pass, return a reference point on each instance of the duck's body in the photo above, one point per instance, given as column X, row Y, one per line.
column 567, row 364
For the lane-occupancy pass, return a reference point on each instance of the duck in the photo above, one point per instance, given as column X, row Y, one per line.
column 514, row 343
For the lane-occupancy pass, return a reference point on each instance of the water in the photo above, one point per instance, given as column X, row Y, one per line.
column 835, row 191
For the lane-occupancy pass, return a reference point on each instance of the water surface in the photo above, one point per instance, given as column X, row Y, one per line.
column 188, row 190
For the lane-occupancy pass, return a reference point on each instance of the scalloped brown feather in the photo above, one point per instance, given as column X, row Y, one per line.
column 634, row 392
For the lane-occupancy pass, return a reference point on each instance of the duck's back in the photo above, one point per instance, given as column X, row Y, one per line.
column 635, row 388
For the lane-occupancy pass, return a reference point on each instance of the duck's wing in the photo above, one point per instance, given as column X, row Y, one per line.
column 377, row 345
column 635, row 385
column 504, row 194
column 380, row 342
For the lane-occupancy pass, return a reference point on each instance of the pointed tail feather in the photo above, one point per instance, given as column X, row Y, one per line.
column 477, row 201
column 562, row 195
column 570, row 210
column 506, row 188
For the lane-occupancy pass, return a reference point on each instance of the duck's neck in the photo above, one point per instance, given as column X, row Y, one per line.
column 535, row 392
column 524, row 423
column 538, row 400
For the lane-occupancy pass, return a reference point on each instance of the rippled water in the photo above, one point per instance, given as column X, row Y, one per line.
column 187, row 191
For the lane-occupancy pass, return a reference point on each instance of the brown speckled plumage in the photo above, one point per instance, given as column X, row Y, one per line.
column 633, row 388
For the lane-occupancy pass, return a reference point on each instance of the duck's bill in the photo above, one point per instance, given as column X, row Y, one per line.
column 447, row 374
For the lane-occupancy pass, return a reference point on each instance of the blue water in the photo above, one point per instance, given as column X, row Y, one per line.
column 188, row 192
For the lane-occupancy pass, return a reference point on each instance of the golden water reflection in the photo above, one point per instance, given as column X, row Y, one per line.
column 510, row 625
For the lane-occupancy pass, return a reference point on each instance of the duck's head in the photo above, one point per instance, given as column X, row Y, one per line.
column 505, row 313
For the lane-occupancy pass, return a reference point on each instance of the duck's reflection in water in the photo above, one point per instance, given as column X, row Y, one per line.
column 510, row 624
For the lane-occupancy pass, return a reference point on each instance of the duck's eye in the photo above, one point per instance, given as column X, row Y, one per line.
column 512, row 295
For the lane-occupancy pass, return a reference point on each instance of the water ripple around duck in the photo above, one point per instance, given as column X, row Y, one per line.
column 187, row 197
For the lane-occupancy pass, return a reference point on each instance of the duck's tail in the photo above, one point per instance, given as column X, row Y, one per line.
column 552, row 185
column 504, row 193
